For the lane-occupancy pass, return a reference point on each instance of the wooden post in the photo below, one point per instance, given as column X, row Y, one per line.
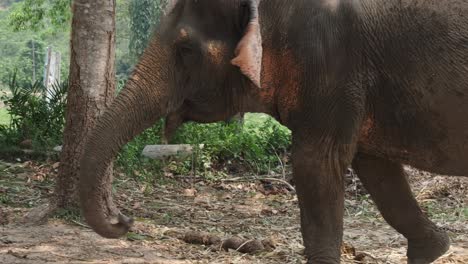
column 47, row 67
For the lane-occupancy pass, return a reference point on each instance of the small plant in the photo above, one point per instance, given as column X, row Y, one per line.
column 36, row 114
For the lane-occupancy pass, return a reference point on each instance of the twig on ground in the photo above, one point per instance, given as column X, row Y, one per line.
column 81, row 224
column 369, row 255
column 243, row 244
column 283, row 169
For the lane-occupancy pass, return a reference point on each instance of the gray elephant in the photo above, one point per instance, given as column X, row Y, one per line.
column 371, row 83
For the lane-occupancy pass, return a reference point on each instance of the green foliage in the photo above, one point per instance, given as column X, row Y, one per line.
column 40, row 14
column 256, row 148
column 4, row 117
column 124, row 60
column 48, row 22
column 35, row 114
column 17, row 49
column 29, row 65
column 130, row 160
column 145, row 15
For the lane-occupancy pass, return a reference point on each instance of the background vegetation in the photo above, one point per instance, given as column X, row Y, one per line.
column 31, row 119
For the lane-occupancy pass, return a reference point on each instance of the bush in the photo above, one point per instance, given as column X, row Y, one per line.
column 35, row 114
column 258, row 147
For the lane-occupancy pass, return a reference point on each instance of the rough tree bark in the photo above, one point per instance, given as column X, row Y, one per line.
column 92, row 88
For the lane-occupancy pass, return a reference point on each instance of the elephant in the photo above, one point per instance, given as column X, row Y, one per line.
column 371, row 84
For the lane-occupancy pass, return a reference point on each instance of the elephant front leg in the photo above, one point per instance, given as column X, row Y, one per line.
column 318, row 175
column 172, row 123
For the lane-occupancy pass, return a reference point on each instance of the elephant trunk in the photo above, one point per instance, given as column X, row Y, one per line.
column 143, row 101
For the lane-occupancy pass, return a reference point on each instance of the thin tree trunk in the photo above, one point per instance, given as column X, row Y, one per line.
column 33, row 61
column 92, row 88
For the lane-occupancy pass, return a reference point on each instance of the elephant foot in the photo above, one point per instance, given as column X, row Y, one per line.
column 323, row 262
column 427, row 250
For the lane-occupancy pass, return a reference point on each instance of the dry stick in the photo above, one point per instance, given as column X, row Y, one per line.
column 421, row 192
column 370, row 255
column 81, row 224
column 259, row 177
column 243, row 244
column 283, row 169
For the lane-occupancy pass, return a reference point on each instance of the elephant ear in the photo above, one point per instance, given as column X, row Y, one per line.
column 249, row 50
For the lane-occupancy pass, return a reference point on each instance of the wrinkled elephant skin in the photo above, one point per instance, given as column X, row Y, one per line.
column 372, row 84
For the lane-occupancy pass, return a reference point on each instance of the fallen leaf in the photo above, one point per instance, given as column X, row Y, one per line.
column 56, row 165
column 190, row 192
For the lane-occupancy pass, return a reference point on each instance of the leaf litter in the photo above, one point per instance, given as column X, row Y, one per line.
column 243, row 219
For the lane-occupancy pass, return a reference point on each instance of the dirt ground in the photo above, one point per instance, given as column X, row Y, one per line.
column 243, row 207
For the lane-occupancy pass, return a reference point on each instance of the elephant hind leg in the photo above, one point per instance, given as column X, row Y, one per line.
column 388, row 186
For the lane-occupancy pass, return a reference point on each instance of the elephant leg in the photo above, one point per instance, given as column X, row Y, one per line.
column 320, row 191
column 388, row 186
column 172, row 123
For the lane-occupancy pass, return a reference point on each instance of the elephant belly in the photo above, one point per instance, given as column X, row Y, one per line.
column 435, row 142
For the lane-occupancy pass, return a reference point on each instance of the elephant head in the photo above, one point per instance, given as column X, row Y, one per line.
column 203, row 65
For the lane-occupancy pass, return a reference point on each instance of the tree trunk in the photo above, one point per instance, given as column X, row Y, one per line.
column 92, row 88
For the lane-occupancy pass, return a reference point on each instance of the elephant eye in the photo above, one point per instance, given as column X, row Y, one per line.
column 185, row 47
column 187, row 52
